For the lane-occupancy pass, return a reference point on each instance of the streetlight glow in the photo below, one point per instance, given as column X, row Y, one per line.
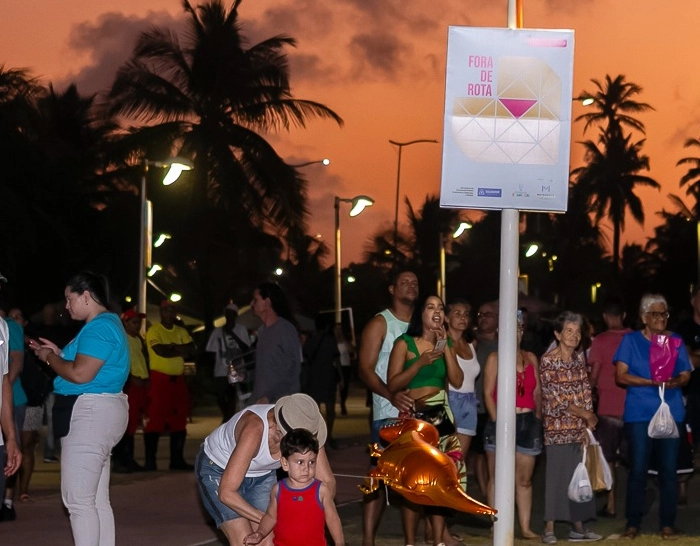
column 161, row 239
column 177, row 167
column 154, row 269
column 359, row 204
column 532, row 250
column 175, row 297
column 461, row 228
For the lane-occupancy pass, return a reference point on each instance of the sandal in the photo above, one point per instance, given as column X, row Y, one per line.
column 25, row 498
column 669, row 533
column 631, row 533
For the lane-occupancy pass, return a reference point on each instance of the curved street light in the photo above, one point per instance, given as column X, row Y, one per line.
column 325, row 162
column 400, row 146
column 442, row 282
column 175, row 166
column 358, row 204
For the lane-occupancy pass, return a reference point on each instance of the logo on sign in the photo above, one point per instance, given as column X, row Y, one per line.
column 488, row 192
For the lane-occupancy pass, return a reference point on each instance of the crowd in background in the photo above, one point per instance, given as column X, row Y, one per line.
column 572, row 374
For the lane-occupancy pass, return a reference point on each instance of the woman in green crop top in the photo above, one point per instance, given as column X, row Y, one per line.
column 422, row 369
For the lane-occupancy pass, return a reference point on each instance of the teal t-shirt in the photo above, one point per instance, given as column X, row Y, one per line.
column 103, row 338
column 16, row 343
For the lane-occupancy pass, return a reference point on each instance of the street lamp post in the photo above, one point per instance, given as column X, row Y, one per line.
column 400, row 145
column 359, row 203
column 441, row 287
column 175, row 167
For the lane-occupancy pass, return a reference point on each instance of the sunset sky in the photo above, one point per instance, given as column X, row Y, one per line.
column 380, row 64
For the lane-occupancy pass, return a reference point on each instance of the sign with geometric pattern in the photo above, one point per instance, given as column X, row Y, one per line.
column 507, row 119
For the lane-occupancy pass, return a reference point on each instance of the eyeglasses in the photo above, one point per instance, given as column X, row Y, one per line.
column 658, row 314
column 487, row 314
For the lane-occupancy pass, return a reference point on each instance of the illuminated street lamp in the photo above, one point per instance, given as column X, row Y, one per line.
column 441, row 288
column 161, row 239
column 325, row 162
column 358, row 204
column 175, row 167
column 400, row 145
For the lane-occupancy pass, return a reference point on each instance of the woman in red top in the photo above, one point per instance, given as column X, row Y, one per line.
column 528, row 429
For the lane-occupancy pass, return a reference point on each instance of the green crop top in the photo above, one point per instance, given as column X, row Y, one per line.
column 433, row 375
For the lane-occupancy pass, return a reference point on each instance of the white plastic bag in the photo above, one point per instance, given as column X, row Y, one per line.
column 580, row 489
column 662, row 424
column 598, row 468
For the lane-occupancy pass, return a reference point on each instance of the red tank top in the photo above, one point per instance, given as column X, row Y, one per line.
column 300, row 516
column 525, row 384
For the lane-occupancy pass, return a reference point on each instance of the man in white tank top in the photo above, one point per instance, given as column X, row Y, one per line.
column 377, row 341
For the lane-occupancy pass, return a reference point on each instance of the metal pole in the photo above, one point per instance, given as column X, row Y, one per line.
column 507, row 355
column 442, row 289
column 396, row 208
column 338, row 284
column 398, row 182
column 145, row 213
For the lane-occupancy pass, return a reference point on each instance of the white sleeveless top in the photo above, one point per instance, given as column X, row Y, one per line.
column 382, row 408
column 220, row 444
column 471, row 369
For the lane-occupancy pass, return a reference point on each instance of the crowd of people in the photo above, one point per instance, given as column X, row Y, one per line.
column 419, row 358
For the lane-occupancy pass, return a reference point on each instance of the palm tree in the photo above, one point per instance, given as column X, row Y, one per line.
column 610, row 178
column 210, row 98
column 692, row 177
column 613, row 102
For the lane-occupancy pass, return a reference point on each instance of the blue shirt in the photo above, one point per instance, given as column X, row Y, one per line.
column 103, row 338
column 16, row 343
column 641, row 403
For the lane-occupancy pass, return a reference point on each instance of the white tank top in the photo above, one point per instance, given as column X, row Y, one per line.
column 471, row 369
column 220, row 444
column 382, row 408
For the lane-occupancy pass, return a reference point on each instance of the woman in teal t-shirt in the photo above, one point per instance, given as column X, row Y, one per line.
column 91, row 372
column 422, row 361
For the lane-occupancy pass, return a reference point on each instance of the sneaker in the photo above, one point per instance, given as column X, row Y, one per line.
column 51, row 459
column 549, row 538
column 7, row 513
column 585, row 536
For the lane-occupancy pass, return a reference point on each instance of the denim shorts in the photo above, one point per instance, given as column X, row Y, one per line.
column 463, row 406
column 255, row 491
column 528, row 434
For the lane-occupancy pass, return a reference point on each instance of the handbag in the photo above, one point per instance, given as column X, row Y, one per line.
column 598, row 469
column 662, row 424
column 580, row 489
column 62, row 414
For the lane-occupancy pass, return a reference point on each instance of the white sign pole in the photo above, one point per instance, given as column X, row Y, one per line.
column 507, row 338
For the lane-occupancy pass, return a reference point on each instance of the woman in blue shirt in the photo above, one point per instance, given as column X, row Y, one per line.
column 90, row 413
column 633, row 371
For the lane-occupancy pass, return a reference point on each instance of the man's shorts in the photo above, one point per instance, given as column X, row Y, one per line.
column 464, row 407
column 255, row 491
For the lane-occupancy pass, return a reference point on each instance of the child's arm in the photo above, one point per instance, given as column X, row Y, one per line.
column 267, row 523
column 335, row 527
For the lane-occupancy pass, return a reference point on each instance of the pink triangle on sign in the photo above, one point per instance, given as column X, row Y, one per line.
column 518, row 107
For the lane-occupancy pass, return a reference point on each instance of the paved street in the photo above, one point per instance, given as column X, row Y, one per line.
column 163, row 507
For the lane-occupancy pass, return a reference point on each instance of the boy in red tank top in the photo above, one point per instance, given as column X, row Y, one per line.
column 300, row 504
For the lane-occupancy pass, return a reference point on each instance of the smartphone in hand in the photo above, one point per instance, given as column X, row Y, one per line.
column 440, row 345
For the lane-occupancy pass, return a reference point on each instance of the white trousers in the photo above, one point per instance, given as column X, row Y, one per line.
column 97, row 423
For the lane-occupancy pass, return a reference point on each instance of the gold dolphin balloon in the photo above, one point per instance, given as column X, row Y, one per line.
column 413, row 466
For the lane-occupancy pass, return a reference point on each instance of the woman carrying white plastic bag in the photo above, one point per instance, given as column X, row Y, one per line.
column 633, row 370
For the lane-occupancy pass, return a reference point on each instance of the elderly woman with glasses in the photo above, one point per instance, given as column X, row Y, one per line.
column 633, row 371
